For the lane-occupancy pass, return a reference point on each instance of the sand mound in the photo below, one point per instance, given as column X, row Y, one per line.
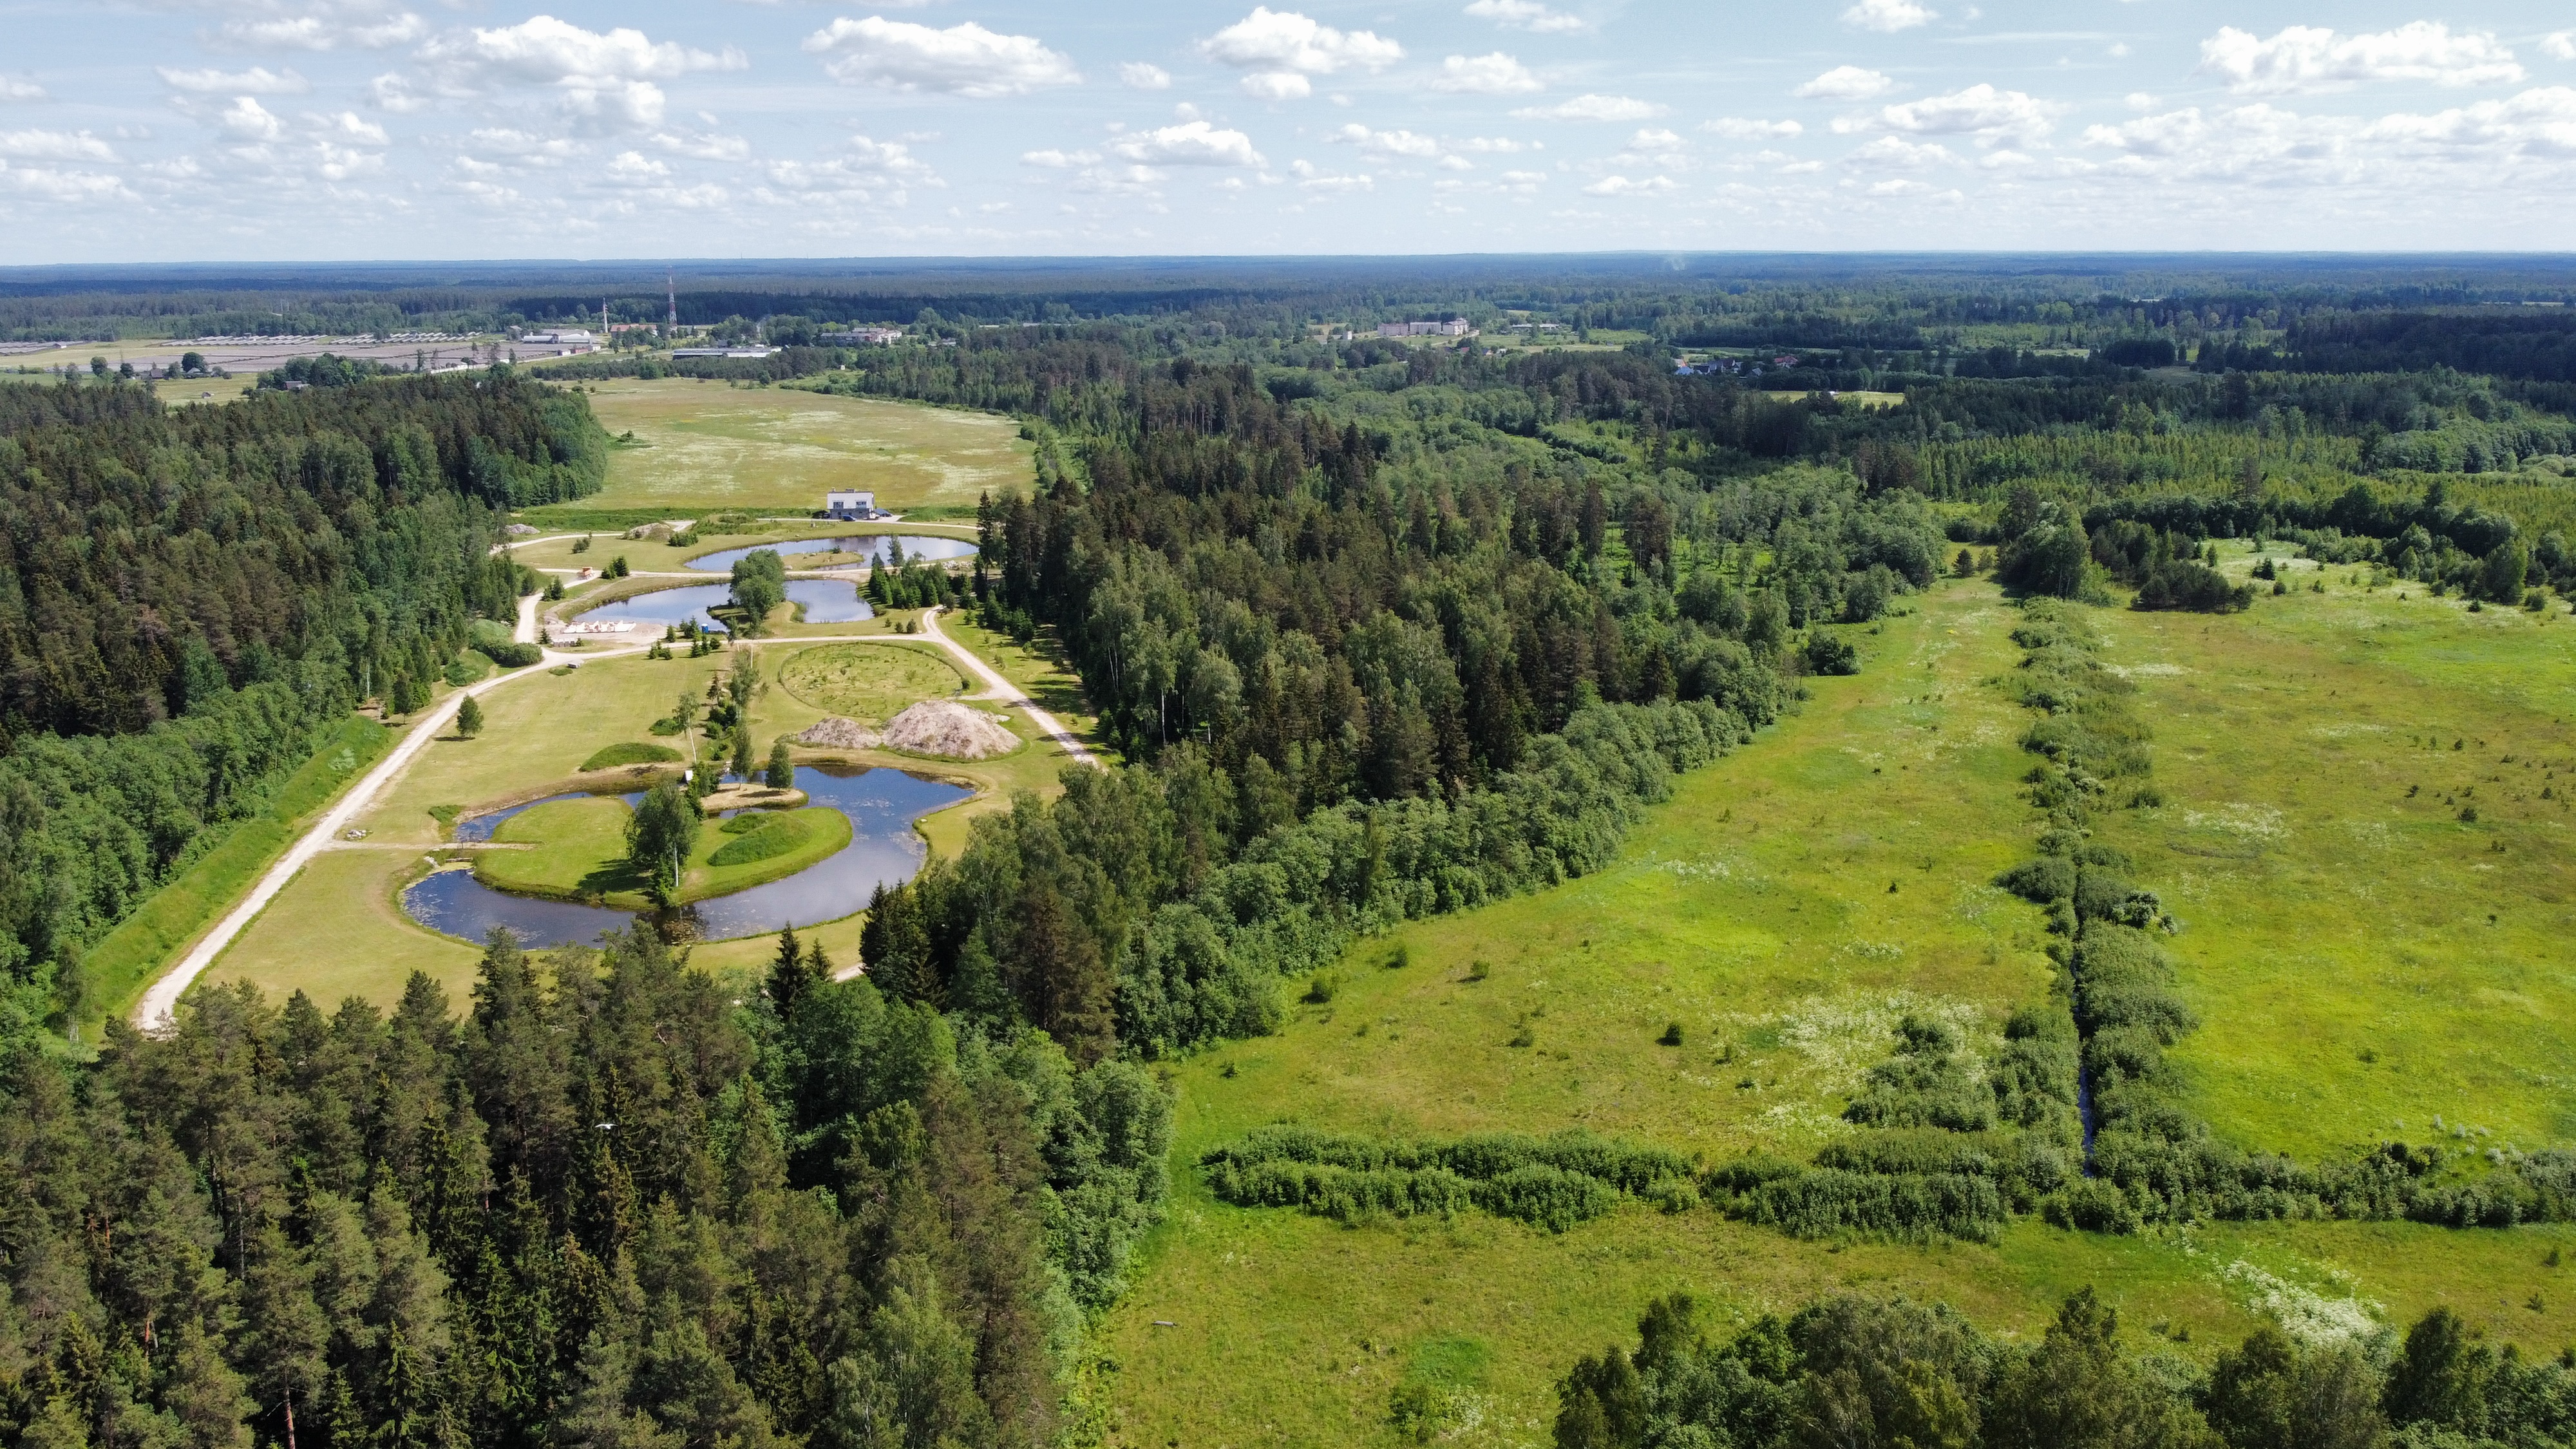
column 947, row 728
column 837, row 733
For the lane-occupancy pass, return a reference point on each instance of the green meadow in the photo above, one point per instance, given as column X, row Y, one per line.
column 1783, row 911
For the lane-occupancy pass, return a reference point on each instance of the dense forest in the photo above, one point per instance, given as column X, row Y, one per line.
column 188, row 596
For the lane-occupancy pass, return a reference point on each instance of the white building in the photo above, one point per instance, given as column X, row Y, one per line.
column 1454, row 327
column 565, row 341
column 864, row 337
column 845, row 506
column 679, row 352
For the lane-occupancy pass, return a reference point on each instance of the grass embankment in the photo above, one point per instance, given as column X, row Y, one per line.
column 870, row 682
column 576, row 849
column 1756, row 911
column 711, row 448
column 2378, row 894
column 122, row 964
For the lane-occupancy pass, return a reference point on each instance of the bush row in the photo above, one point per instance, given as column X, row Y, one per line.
column 1551, row 1182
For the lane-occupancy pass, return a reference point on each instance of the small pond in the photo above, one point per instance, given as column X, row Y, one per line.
column 826, row 601
column 883, row 849
column 872, row 545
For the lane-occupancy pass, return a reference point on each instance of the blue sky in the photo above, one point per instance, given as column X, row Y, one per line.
column 177, row 130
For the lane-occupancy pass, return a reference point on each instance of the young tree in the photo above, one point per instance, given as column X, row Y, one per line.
column 759, row 585
column 743, row 763
column 469, row 718
column 781, row 774
column 660, row 836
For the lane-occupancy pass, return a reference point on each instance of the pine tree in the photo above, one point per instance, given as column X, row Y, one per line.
column 781, row 774
column 469, row 718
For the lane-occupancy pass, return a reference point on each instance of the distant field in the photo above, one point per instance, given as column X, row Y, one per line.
column 1783, row 909
column 870, row 682
column 2363, row 960
column 710, row 447
column 1862, row 399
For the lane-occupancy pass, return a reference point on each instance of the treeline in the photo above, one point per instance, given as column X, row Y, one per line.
column 1154, row 910
column 188, row 596
column 608, row 1206
column 1852, row 1370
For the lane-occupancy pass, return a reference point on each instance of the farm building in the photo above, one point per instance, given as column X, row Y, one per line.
column 846, row 506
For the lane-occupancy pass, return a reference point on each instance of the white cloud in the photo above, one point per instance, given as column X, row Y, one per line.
column 1594, row 108
column 1485, row 75
column 1895, row 153
column 18, row 90
column 1527, row 15
column 251, row 121
column 1136, row 75
column 1060, row 160
column 55, row 146
column 1503, row 145
column 635, row 166
column 354, row 129
column 2304, row 59
column 51, row 184
column 1278, row 85
column 965, row 60
column 1622, row 186
column 1281, row 48
column 2559, row 46
column 1845, row 83
column 1980, row 111
column 603, row 77
column 1191, row 143
column 392, row 92
column 867, row 171
column 1738, row 128
column 1312, row 178
column 703, row 145
column 1390, row 145
column 369, row 28
column 259, row 80
column 1888, row 16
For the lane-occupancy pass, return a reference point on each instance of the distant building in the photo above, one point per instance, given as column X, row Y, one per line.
column 566, row 341
column 680, row 352
column 1454, row 327
column 846, row 507
column 864, row 337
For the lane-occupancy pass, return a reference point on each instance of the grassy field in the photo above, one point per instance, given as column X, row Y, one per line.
column 125, row 962
column 1783, row 909
column 2366, row 960
column 577, row 848
column 870, row 682
column 709, row 447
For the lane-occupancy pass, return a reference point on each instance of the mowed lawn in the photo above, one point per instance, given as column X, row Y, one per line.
column 709, row 447
column 1756, row 911
column 339, row 927
column 2367, row 963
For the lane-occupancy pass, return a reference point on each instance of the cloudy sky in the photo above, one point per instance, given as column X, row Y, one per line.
column 175, row 130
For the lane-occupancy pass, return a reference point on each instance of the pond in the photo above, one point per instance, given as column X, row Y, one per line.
column 883, row 849
column 826, row 601
column 872, row 545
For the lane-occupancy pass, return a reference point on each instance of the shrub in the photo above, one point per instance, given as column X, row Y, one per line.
column 1322, row 987
column 1826, row 654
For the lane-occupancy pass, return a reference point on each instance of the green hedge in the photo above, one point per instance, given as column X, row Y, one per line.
column 775, row 838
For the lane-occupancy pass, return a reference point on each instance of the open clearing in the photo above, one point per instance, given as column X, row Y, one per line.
column 1755, row 910
column 709, row 447
column 2365, row 961
column 868, row 682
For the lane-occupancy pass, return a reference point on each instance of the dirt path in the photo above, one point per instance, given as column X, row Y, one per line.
column 1002, row 689
column 161, row 1000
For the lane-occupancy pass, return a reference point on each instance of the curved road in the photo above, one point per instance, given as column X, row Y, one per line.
column 160, row 1002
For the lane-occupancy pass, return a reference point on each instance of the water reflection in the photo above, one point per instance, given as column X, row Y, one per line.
column 883, row 849
column 873, row 548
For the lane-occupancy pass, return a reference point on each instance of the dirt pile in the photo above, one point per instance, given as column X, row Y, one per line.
column 950, row 730
column 837, row 733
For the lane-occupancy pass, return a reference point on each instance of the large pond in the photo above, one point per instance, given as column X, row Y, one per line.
column 875, row 548
column 826, row 601
column 883, row 850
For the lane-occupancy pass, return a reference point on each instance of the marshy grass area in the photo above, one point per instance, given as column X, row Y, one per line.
column 1782, row 911
column 869, row 682
column 704, row 447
